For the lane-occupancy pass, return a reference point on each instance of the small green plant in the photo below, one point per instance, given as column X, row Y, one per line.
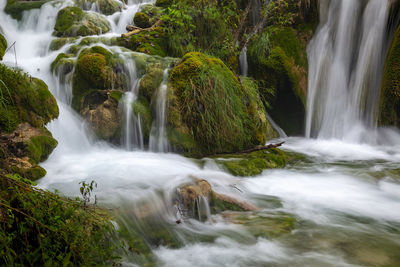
column 86, row 192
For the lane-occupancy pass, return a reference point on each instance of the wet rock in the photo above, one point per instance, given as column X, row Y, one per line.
column 72, row 21
column 106, row 7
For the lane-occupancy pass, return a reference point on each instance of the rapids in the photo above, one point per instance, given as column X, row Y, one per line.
column 344, row 195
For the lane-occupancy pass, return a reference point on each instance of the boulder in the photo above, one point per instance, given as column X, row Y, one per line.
column 106, row 7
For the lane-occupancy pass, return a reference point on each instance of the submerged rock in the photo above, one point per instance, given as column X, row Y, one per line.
column 210, row 111
column 106, row 7
column 72, row 21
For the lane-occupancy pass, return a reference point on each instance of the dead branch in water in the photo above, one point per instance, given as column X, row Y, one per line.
column 133, row 30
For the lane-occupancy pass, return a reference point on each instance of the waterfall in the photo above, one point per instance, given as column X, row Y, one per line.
column 243, row 62
column 345, row 64
column 158, row 137
column 132, row 136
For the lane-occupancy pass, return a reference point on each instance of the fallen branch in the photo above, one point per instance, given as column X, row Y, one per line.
column 261, row 148
column 133, row 30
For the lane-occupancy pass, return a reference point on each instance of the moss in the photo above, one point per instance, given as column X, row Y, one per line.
column 142, row 20
column 16, row 8
column 390, row 86
column 141, row 107
column 150, row 82
column 163, row 3
column 24, row 99
column 210, row 111
column 3, row 46
column 57, row 43
column 254, row 163
column 34, row 173
column 116, row 95
column 63, row 61
column 72, row 21
column 218, row 205
column 148, row 42
column 40, row 147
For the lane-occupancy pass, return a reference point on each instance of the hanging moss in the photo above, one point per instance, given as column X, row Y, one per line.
column 150, row 82
column 3, row 46
column 390, row 87
column 210, row 111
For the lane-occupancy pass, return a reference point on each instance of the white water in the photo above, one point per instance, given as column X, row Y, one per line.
column 345, row 196
column 346, row 58
column 158, row 136
column 244, row 66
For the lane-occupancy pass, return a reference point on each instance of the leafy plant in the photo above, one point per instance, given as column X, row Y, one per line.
column 86, row 190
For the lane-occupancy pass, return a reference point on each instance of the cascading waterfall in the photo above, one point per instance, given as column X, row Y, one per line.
column 132, row 135
column 158, row 136
column 244, row 66
column 345, row 63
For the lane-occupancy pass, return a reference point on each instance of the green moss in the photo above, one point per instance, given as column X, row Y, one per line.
column 16, row 8
column 57, row 43
column 218, row 205
column 3, row 46
column 390, row 87
column 40, row 147
column 72, row 21
column 34, row 173
column 63, row 61
column 209, row 110
column 150, row 82
column 142, row 20
column 254, row 163
column 24, row 99
column 116, row 95
column 151, row 43
column 163, row 3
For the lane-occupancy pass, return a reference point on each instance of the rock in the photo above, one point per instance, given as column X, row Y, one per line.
column 104, row 117
column 389, row 109
column 191, row 197
column 210, row 111
column 16, row 8
column 142, row 20
column 72, row 21
column 64, row 64
column 3, row 46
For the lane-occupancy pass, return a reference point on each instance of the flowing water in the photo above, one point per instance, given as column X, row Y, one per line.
column 343, row 197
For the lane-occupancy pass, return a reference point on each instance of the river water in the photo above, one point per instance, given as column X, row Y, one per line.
column 343, row 194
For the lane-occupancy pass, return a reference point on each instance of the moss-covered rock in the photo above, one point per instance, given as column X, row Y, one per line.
column 72, row 21
column 24, row 99
column 3, row 46
column 106, row 7
column 163, row 3
column 142, row 20
column 63, row 63
column 150, row 82
column 16, row 8
column 210, row 111
column 390, row 87
column 141, row 108
column 254, row 163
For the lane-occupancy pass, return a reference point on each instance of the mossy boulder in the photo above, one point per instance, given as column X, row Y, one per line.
column 150, row 82
column 24, row 99
column 390, row 87
column 210, row 111
column 63, row 64
column 3, row 46
column 16, row 8
column 142, row 20
column 106, row 7
column 277, row 59
column 149, row 42
column 72, row 21
column 250, row 164
column 141, row 108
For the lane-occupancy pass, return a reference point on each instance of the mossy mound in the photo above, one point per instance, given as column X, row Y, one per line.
column 277, row 59
column 3, row 46
column 16, row 8
column 141, row 108
column 64, row 63
column 254, row 163
column 148, row 42
column 43, row 229
column 106, row 7
column 210, row 111
column 390, row 87
column 150, row 82
column 24, row 99
column 142, row 20
column 72, row 21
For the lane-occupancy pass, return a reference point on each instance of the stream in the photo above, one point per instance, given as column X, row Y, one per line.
column 339, row 195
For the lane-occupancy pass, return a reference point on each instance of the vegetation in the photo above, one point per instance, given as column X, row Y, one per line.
column 16, row 8
column 106, row 7
column 39, row 228
column 3, row 46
